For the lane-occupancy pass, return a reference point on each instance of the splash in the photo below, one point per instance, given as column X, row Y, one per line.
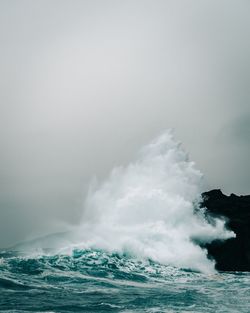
column 147, row 209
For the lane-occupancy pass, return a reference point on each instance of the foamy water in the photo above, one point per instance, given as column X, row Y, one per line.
column 96, row 281
column 150, row 209
column 136, row 249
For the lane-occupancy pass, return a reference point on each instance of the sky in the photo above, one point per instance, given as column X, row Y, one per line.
column 84, row 84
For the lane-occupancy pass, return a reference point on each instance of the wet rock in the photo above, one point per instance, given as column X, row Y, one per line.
column 234, row 253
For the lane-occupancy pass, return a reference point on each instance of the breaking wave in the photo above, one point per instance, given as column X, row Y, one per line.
column 150, row 209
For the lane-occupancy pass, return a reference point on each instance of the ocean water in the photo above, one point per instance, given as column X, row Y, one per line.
column 96, row 281
column 137, row 248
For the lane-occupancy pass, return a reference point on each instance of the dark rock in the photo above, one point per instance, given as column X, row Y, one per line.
column 232, row 254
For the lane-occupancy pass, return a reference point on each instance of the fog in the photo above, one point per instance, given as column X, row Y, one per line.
column 84, row 84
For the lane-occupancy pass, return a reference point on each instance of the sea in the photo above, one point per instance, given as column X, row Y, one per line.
column 96, row 281
column 138, row 247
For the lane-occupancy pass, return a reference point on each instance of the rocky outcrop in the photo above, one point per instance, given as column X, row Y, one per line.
column 234, row 253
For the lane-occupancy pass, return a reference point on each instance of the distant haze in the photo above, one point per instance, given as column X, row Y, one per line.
column 84, row 84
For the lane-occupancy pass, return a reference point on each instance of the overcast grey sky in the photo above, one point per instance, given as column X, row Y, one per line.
column 83, row 84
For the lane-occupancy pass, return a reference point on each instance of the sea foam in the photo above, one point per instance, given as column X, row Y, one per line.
column 150, row 209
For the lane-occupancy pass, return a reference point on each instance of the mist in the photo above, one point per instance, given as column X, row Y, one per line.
column 85, row 84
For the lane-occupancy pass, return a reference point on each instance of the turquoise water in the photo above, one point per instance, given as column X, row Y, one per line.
column 96, row 281
column 149, row 210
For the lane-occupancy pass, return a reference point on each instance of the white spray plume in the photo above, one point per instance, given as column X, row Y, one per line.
column 147, row 209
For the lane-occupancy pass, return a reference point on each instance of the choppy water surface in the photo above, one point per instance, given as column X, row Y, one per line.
column 149, row 210
column 95, row 281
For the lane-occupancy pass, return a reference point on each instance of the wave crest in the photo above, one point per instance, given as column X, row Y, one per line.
column 147, row 209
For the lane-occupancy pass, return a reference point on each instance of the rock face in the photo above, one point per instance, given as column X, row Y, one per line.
column 232, row 254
